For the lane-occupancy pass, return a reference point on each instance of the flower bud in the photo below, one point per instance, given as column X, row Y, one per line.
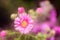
column 13, row 16
column 21, row 10
column 3, row 33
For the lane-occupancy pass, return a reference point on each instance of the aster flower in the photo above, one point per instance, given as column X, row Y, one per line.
column 23, row 23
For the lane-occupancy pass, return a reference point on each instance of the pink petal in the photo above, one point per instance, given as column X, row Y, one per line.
column 28, row 29
column 57, row 29
column 39, row 10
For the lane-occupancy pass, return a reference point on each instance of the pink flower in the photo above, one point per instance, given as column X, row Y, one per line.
column 57, row 29
column 37, row 28
column 53, row 18
column 21, row 10
column 40, row 10
column 41, row 27
column 23, row 23
column 45, row 27
column 3, row 33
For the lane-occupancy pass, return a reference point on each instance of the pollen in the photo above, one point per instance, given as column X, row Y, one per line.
column 24, row 24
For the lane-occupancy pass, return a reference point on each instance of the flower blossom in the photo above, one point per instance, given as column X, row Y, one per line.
column 23, row 23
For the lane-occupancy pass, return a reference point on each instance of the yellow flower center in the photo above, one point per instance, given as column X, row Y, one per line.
column 24, row 24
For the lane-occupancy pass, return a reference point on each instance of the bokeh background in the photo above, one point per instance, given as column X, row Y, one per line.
column 7, row 7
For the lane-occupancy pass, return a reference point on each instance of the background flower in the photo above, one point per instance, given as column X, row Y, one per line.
column 3, row 33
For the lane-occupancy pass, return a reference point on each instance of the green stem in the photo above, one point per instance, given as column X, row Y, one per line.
column 19, row 38
column 25, row 37
column 32, row 36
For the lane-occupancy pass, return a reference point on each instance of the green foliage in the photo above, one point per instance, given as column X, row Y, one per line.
column 14, row 35
column 41, row 36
